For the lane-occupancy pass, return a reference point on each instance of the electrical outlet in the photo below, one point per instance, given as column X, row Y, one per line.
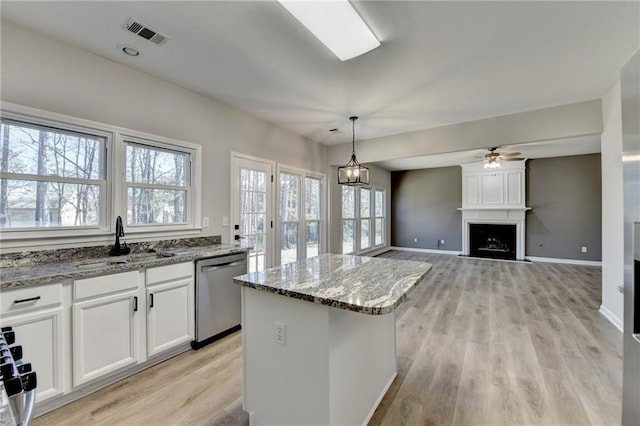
column 584, row 249
column 441, row 242
column 205, row 222
column 225, row 221
column 281, row 333
column 415, row 239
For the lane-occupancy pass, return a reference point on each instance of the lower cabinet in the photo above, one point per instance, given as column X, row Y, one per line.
column 170, row 313
column 105, row 312
column 37, row 317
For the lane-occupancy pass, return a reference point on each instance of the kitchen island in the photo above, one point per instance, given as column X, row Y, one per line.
column 319, row 338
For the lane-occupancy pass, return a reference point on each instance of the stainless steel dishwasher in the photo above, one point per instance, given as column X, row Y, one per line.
column 217, row 297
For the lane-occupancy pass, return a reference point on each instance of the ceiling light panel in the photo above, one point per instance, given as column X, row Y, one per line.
column 336, row 24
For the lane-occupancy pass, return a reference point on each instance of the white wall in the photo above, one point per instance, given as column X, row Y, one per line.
column 612, row 208
column 43, row 73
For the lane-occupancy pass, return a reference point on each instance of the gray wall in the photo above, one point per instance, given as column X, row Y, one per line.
column 423, row 205
column 565, row 195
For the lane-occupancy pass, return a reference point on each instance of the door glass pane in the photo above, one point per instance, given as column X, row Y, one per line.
column 289, row 197
column 348, row 236
column 288, row 243
column 365, row 233
column 313, row 198
column 365, row 202
column 348, row 202
column 313, row 239
column 253, row 217
column 379, row 231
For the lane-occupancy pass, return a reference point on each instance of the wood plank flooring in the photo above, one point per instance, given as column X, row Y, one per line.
column 479, row 342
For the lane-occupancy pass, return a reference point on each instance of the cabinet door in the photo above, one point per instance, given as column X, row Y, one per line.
column 40, row 334
column 491, row 189
column 104, row 335
column 170, row 318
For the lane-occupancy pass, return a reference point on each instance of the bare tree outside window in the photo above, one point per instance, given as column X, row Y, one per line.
column 49, row 177
column 158, row 184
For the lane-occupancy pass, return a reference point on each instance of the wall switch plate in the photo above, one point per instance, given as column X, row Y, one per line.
column 225, row 221
column 584, row 249
column 205, row 222
column 281, row 333
column 441, row 242
column 415, row 239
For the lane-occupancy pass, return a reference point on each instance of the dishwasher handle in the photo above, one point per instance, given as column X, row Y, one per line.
column 222, row 266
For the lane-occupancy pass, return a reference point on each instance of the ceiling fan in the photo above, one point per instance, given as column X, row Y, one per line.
column 493, row 158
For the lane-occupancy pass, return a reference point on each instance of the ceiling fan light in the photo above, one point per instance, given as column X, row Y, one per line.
column 336, row 24
column 492, row 164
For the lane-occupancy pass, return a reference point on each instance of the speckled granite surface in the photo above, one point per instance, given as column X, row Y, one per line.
column 24, row 258
column 357, row 283
column 45, row 273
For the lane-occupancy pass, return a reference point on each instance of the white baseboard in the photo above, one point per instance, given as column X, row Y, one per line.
column 617, row 322
column 375, row 252
column 419, row 250
column 567, row 261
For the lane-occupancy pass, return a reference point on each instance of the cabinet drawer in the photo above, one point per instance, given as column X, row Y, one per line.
column 170, row 272
column 106, row 284
column 23, row 299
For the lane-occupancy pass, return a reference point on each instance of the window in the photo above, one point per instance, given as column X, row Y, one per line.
column 289, row 217
column 157, row 185
column 313, row 214
column 348, row 219
column 300, row 218
column 51, row 177
column 379, row 217
column 365, row 218
column 65, row 179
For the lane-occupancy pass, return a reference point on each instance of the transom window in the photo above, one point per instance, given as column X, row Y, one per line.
column 51, row 177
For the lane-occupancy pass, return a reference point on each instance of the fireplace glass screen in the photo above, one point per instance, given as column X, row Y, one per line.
column 492, row 241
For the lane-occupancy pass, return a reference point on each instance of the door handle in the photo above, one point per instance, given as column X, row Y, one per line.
column 224, row 265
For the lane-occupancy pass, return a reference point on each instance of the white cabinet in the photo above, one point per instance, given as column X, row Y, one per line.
column 170, row 307
column 38, row 319
column 502, row 188
column 106, row 314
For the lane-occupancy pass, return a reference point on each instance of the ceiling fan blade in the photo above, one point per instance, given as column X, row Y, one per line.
column 510, row 154
column 512, row 159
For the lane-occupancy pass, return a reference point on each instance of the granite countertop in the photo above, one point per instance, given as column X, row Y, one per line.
column 362, row 284
column 45, row 273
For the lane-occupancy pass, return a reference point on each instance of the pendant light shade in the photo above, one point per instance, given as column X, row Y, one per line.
column 353, row 173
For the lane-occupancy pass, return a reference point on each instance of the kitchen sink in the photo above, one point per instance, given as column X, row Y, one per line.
column 101, row 264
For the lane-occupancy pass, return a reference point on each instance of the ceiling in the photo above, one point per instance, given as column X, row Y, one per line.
column 440, row 62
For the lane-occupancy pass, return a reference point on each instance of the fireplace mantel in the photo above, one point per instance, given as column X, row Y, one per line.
column 494, row 196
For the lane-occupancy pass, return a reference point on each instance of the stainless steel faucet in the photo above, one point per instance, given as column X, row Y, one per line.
column 118, row 250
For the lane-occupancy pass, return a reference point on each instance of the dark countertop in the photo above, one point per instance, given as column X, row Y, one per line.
column 45, row 273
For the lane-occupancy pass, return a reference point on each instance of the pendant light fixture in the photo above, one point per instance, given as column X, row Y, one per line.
column 353, row 173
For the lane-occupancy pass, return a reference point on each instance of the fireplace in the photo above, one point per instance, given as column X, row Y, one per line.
column 493, row 241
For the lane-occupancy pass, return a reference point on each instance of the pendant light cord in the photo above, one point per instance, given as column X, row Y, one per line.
column 353, row 135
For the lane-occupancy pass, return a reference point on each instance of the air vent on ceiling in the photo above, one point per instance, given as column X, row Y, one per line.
column 144, row 31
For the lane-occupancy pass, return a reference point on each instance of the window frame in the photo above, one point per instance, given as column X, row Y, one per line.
column 162, row 145
column 302, row 174
column 112, row 205
column 383, row 217
column 358, row 218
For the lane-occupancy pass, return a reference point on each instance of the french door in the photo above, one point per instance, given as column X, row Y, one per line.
column 252, row 209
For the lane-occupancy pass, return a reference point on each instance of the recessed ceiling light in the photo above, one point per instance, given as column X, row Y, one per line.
column 336, row 24
column 128, row 50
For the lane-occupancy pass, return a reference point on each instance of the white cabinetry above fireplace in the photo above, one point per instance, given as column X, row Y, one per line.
column 502, row 188
column 494, row 197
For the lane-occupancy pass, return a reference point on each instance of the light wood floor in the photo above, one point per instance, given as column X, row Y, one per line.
column 478, row 342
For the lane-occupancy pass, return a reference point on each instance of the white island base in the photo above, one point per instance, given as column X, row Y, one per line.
column 333, row 369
